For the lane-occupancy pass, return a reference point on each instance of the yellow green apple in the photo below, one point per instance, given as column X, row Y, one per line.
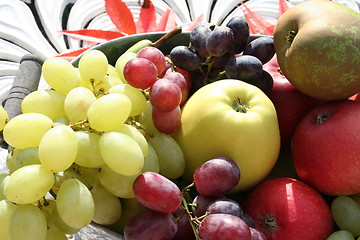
column 318, row 49
column 230, row 118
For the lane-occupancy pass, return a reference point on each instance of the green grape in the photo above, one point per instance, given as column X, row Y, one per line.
column 18, row 158
column 4, row 118
column 58, row 148
column 107, row 83
column 27, row 222
column 61, row 121
column 28, row 184
column 60, row 177
column 109, row 111
column 151, row 162
column 60, row 74
column 107, row 205
column 93, row 66
column 117, row 184
column 137, row 98
column 60, row 224
column 26, row 130
column 47, row 206
column 85, row 83
column 134, row 133
column 75, row 203
column 121, row 153
column 77, row 103
column 3, row 179
column 341, row 235
column 6, row 210
column 121, row 62
column 48, row 102
column 54, row 233
column 346, row 214
column 145, row 119
column 112, row 72
column 171, row 157
column 88, row 154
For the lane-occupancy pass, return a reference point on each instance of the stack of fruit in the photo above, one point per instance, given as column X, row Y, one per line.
column 189, row 143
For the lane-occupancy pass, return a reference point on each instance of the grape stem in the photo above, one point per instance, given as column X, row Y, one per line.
column 193, row 221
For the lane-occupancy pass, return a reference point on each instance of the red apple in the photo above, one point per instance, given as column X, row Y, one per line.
column 357, row 97
column 291, row 104
column 326, row 148
column 286, row 208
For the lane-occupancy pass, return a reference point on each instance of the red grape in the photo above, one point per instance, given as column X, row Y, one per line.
column 165, row 95
column 224, row 227
column 256, row 234
column 157, row 192
column 151, row 225
column 180, row 80
column 155, row 56
column 140, row 73
column 167, row 122
column 216, row 176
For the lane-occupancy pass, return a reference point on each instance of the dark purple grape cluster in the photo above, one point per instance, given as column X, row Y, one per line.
column 209, row 215
column 229, row 51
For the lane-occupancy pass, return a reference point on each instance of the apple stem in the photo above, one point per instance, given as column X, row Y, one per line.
column 240, row 107
column 290, row 37
column 321, row 118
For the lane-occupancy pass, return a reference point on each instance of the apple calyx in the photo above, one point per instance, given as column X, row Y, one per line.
column 267, row 222
column 291, row 35
column 240, row 107
column 321, row 118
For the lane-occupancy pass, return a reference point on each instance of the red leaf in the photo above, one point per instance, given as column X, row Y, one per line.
column 167, row 21
column 260, row 21
column 93, row 35
column 71, row 55
column 121, row 16
column 283, row 7
column 253, row 28
column 147, row 18
column 194, row 23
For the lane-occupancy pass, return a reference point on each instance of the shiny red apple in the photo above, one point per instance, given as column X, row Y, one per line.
column 286, row 208
column 326, row 148
column 291, row 104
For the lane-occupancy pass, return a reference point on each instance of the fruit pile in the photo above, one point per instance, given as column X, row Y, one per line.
column 207, row 141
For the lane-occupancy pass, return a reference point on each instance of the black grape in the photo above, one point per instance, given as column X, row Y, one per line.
column 264, row 81
column 262, row 48
column 198, row 37
column 219, row 41
column 241, row 30
column 185, row 57
column 243, row 67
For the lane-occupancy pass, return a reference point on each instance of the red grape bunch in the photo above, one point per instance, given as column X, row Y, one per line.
column 171, row 214
column 167, row 89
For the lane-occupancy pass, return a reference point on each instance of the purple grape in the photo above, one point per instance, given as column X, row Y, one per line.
column 243, row 67
column 264, row 81
column 216, row 176
column 198, row 37
column 248, row 219
column 241, row 30
column 224, row 227
column 201, row 203
column 262, row 48
column 228, row 206
column 219, row 41
column 157, row 192
column 185, row 58
column 151, row 225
